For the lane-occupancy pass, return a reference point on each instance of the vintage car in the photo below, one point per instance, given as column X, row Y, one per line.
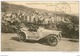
column 52, row 37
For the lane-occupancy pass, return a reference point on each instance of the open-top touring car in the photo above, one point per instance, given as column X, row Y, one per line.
column 52, row 37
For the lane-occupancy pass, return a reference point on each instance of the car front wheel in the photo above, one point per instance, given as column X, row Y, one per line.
column 22, row 37
column 52, row 40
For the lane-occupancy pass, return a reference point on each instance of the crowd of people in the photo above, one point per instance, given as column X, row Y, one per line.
column 20, row 19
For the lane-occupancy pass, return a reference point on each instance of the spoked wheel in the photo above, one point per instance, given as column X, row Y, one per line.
column 52, row 40
column 22, row 37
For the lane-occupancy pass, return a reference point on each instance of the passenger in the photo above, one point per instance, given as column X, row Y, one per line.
column 40, row 29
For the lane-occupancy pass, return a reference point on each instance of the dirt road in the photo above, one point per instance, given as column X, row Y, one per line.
column 10, row 42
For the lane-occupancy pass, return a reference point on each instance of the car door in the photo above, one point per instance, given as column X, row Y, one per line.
column 32, row 34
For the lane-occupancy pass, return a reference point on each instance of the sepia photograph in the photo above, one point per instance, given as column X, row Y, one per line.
column 39, row 26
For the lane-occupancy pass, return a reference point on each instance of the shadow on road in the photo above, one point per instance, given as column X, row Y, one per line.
column 74, row 40
column 15, row 38
column 42, row 41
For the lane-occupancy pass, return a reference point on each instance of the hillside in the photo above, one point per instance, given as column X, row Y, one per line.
column 14, row 8
column 6, row 7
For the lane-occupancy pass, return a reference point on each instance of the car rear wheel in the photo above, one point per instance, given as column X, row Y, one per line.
column 22, row 37
column 52, row 40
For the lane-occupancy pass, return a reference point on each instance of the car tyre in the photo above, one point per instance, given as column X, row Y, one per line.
column 22, row 37
column 52, row 40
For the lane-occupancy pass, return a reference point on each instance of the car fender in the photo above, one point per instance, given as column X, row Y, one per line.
column 25, row 31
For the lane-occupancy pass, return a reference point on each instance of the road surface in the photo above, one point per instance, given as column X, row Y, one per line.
column 10, row 42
